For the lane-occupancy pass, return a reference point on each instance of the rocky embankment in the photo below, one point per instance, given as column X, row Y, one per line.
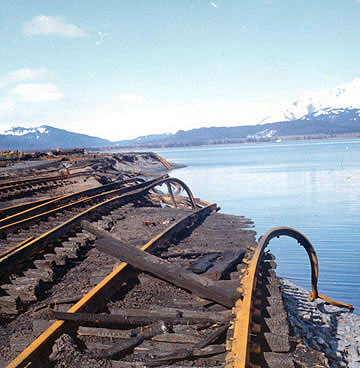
column 322, row 327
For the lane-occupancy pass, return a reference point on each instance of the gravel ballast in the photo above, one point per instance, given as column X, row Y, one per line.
column 323, row 327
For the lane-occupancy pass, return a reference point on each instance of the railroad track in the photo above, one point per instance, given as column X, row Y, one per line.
column 27, row 234
column 14, row 189
column 184, row 295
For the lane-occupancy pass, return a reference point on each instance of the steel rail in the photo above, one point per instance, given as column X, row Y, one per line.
column 167, row 164
column 8, row 261
column 96, row 297
column 24, row 220
column 9, row 211
column 25, row 182
column 38, row 208
column 33, row 175
column 16, row 247
column 182, row 200
column 239, row 356
column 302, row 240
column 26, row 250
column 169, row 181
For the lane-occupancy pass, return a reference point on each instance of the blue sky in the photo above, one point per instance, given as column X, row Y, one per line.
column 118, row 69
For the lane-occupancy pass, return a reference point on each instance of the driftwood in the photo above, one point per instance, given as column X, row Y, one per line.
column 158, row 267
column 120, row 320
column 198, row 349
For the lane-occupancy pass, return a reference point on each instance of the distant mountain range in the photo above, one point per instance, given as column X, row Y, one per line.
column 46, row 137
column 328, row 113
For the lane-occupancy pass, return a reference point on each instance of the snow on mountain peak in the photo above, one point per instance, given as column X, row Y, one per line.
column 18, row 131
column 343, row 96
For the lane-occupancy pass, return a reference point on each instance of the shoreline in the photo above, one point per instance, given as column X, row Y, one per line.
column 275, row 140
column 331, row 330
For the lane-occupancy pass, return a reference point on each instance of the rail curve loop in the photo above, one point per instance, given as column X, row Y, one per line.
column 302, row 240
column 241, row 346
column 177, row 183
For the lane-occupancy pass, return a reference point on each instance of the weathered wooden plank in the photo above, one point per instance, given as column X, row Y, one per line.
column 104, row 332
column 165, row 313
column 225, row 263
column 118, row 350
column 176, row 338
column 204, row 262
column 202, row 348
column 119, row 319
column 162, row 269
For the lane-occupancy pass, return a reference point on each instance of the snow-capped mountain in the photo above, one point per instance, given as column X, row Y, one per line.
column 330, row 114
column 334, row 100
column 46, row 137
column 20, row 131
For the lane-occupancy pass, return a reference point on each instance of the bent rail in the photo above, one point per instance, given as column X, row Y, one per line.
column 177, row 182
column 302, row 240
column 239, row 356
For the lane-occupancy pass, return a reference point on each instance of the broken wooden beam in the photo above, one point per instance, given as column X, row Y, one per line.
column 225, row 263
column 172, row 313
column 187, row 354
column 121, row 320
column 118, row 350
column 162, row 269
column 199, row 349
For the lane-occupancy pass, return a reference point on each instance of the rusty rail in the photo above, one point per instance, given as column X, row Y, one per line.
column 19, row 183
column 96, row 297
column 163, row 161
column 23, row 251
column 239, row 356
column 30, row 210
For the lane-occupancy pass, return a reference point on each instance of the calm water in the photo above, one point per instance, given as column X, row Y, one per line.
column 311, row 186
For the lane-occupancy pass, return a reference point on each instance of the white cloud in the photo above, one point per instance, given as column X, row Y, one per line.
column 23, row 74
column 213, row 4
column 31, row 92
column 46, row 25
column 7, row 107
column 129, row 98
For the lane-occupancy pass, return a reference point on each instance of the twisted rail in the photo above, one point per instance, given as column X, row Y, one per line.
column 239, row 356
column 302, row 240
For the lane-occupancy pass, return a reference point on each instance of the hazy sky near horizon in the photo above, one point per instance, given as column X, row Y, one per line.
column 118, row 69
